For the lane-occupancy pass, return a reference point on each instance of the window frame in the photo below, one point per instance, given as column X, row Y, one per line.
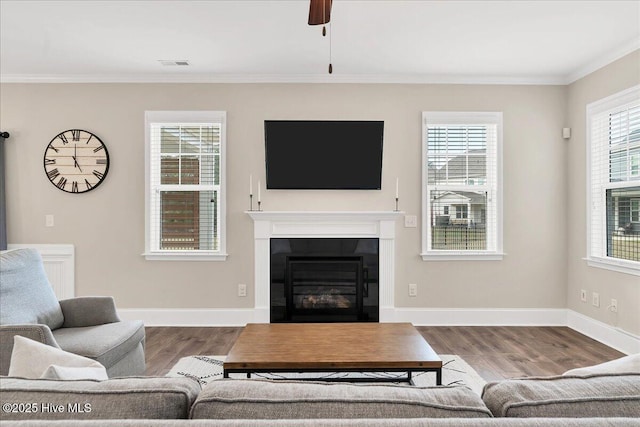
column 462, row 118
column 462, row 211
column 608, row 104
column 151, row 254
column 635, row 209
column 635, row 165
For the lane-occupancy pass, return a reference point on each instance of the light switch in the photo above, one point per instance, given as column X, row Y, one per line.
column 410, row 221
column 48, row 220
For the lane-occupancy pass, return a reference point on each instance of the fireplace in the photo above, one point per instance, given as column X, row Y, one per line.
column 324, row 280
column 380, row 226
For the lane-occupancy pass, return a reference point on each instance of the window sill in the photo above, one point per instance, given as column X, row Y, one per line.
column 462, row 256
column 184, row 256
column 621, row 266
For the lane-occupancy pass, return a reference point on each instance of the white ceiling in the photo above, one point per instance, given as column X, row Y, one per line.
column 552, row 42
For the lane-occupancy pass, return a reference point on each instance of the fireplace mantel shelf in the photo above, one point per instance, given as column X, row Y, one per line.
column 324, row 215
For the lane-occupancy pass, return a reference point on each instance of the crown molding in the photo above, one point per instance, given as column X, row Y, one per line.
column 560, row 80
column 284, row 78
column 611, row 56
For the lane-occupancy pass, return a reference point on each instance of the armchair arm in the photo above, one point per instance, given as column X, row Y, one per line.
column 88, row 311
column 40, row 333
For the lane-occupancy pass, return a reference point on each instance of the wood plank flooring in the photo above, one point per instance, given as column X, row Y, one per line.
column 495, row 352
column 165, row 346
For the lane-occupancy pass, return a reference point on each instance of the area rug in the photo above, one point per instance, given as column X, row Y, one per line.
column 455, row 371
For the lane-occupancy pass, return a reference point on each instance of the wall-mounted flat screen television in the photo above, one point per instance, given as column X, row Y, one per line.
column 323, row 155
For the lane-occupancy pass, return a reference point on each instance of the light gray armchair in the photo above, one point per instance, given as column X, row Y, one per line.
column 88, row 326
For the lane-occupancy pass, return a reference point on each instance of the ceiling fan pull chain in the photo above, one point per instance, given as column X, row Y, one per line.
column 324, row 16
column 330, row 38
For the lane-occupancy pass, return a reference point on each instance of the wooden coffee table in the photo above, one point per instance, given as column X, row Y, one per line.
column 333, row 347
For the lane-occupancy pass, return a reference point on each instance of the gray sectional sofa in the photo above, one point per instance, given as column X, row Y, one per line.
column 594, row 400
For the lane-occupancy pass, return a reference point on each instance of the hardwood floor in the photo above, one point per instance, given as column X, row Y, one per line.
column 495, row 352
column 507, row 352
column 165, row 346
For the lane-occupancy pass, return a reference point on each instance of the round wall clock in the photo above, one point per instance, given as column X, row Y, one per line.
column 76, row 161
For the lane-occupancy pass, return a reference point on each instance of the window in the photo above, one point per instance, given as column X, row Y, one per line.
column 185, row 200
column 634, row 169
column 461, row 200
column 462, row 211
column 613, row 132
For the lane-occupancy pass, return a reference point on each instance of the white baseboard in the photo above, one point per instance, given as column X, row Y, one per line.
column 613, row 337
column 189, row 317
column 610, row 335
column 482, row 316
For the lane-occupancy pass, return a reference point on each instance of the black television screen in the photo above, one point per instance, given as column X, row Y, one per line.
column 323, row 155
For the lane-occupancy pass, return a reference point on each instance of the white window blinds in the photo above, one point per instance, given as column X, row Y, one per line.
column 185, row 183
column 614, row 179
column 461, row 197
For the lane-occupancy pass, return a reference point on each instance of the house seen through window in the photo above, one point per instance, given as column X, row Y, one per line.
column 185, row 191
column 614, row 148
column 461, row 185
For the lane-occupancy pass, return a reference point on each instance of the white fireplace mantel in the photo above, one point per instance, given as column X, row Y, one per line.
column 313, row 224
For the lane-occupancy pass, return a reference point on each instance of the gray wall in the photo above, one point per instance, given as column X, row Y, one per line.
column 107, row 225
column 620, row 75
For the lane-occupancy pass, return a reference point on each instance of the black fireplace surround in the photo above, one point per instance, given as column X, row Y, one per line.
column 324, row 280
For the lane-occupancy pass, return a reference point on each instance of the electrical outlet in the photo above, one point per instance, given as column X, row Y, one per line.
column 242, row 290
column 413, row 290
column 595, row 299
column 48, row 220
column 583, row 295
column 614, row 305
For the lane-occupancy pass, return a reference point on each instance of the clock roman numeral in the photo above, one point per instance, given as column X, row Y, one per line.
column 88, row 184
column 101, row 161
column 61, row 183
column 53, row 173
column 75, row 135
column 49, row 161
column 74, row 187
column 98, row 175
column 53, row 148
column 95, row 150
column 63, row 138
column 90, row 136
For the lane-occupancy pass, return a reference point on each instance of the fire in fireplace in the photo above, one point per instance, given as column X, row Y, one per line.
column 324, row 280
column 323, row 299
column 324, row 285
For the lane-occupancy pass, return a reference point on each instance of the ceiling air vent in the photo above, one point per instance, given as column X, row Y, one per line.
column 171, row 62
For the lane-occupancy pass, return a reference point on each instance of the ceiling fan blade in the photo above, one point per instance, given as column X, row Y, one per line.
column 319, row 12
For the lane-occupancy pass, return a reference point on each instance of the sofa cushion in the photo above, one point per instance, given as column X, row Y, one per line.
column 626, row 364
column 609, row 395
column 26, row 296
column 31, row 359
column 119, row 398
column 362, row 422
column 106, row 343
column 263, row 399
